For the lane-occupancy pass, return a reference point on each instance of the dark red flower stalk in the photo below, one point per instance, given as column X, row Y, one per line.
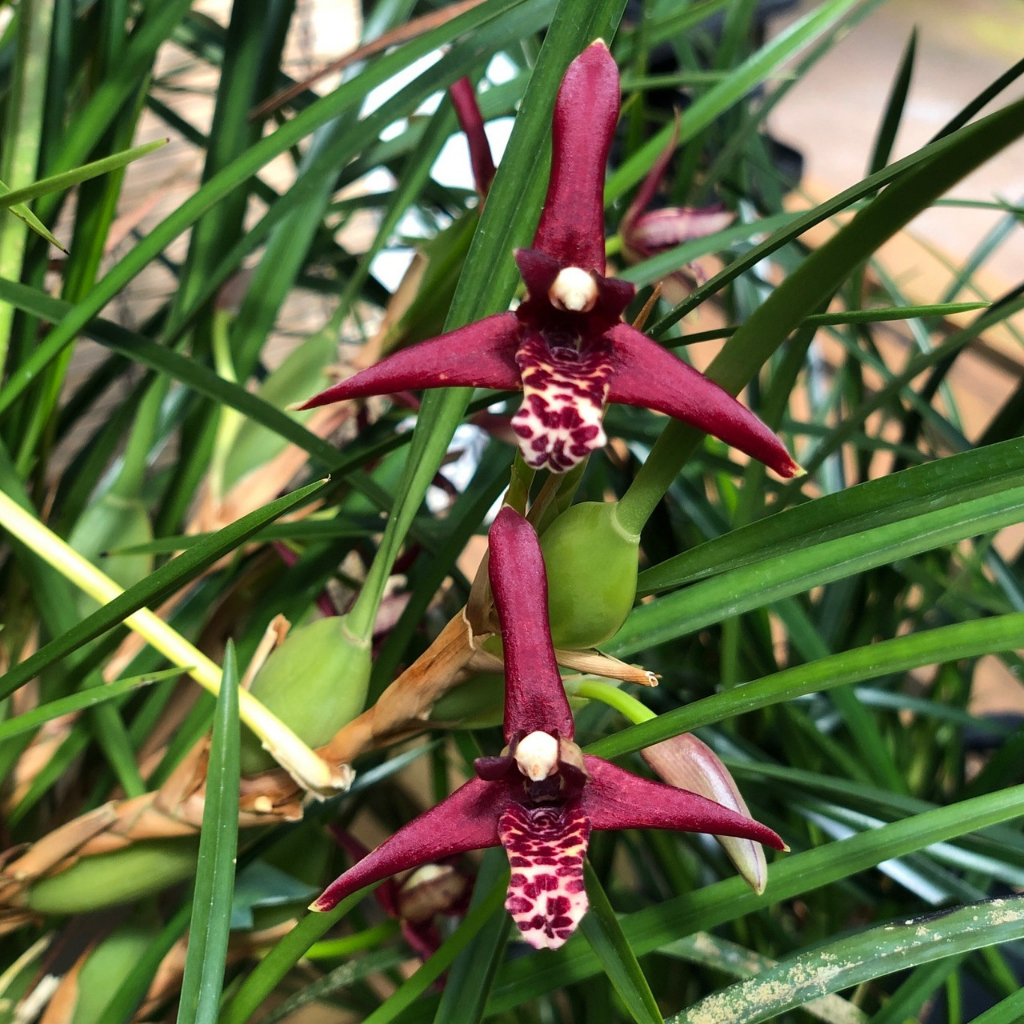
column 542, row 796
column 566, row 346
column 472, row 124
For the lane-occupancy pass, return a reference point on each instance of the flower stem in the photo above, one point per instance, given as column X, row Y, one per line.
column 626, row 704
column 668, row 456
column 284, row 746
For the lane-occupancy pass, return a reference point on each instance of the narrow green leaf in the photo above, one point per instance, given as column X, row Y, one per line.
column 887, row 657
column 413, row 988
column 215, row 870
column 22, row 212
column 935, row 485
column 727, row 93
column 731, row 958
column 861, row 958
column 612, row 948
column 67, row 179
column 95, row 695
column 894, row 107
column 157, row 585
column 472, row 972
column 776, row 576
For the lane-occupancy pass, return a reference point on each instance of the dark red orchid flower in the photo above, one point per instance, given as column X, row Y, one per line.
column 646, row 232
column 566, row 346
column 542, row 796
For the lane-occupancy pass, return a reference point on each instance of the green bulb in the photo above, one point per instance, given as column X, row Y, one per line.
column 592, row 568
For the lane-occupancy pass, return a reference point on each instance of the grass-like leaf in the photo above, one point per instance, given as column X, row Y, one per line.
column 860, row 958
column 612, row 948
column 157, row 585
column 215, row 870
column 90, row 698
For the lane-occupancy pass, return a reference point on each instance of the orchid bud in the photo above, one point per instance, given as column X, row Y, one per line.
column 254, row 445
column 592, row 568
column 108, row 965
column 110, row 879
column 688, row 763
column 315, row 683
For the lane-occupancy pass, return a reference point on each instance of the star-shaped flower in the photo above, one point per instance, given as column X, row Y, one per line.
column 542, row 796
column 566, row 346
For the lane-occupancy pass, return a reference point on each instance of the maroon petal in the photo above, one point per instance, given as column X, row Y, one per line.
column 545, row 847
column 615, row 798
column 535, row 699
column 467, row 820
column 649, row 376
column 472, row 124
column 479, row 355
column 571, row 228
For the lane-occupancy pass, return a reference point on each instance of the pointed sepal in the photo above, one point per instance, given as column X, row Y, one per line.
column 479, row 355
column 615, row 798
column 648, row 376
column 467, row 820
column 571, row 228
column 534, row 696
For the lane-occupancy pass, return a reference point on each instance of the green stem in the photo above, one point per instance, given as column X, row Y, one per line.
column 626, row 704
column 333, row 949
column 23, row 138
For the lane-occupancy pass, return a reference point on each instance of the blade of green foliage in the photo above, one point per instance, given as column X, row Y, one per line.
column 159, row 584
column 727, row 93
column 472, row 972
column 95, row 695
column 947, row 643
column 340, row 978
column 894, row 107
column 921, row 489
column 121, row 1008
column 22, row 212
column 766, row 579
column 602, row 931
column 738, row 961
column 251, row 994
column 67, row 179
column 1009, row 1011
column 215, row 871
column 649, row 929
column 23, row 135
column 879, row 314
column 420, row 982
column 861, row 958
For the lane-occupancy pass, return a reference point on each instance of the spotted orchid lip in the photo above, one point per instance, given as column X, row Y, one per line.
column 560, row 421
column 544, row 835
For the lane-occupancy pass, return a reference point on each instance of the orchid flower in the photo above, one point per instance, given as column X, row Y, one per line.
column 647, row 232
column 566, row 346
column 542, row 796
